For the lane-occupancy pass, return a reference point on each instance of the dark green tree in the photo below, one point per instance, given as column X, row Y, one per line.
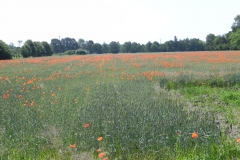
column 170, row 46
column 154, row 48
column 126, row 47
column 81, row 43
column 88, row 46
column 175, row 43
column 236, row 23
column 148, row 47
column 210, row 42
column 105, row 48
column 69, row 44
column 40, row 49
column 48, row 48
column 25, row 51
column 97, row 48
column 5, row 52
column 57, row 45
column 134, row 47
column 114, row 47
column 32, row 47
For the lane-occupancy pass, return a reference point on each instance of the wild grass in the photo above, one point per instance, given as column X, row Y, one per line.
column 58, row 107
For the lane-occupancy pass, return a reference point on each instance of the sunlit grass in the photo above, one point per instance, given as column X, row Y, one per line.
column 59, row 107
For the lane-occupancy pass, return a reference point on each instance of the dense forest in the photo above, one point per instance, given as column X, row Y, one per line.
column 69, row 46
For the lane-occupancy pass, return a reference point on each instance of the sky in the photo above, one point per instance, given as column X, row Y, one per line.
column 115, row 20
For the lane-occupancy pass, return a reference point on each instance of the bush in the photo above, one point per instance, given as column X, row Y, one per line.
column 5, row 52
column 69, row 52
column 81, row 52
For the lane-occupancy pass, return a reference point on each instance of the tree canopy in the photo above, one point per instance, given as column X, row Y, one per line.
column 5, row 52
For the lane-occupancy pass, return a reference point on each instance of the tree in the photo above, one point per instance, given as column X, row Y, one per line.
column 170, row 46
column 26, row 51
column 154, row 48
column 40, row 49
column 148, row 47
column 48, row 48
column 210, row 42
column 105, row 48
column 235, row 40
column 97, row 48
column 196, row 45
column 81, row 42
column 5, row 52
column 88, row 46
column 114, row 47
column 141, row 47
column 69, row 44
column 236, row 24
column 175, row 44
column 32, row 47
column 57, row 45
column 134, row 47
column 126, row 47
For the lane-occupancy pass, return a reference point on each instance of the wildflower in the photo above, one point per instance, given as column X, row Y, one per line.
column 98, row 150
column 32, row 104
column 19, row 96
column 194, row 135
column 238, row 140
column 73, row 146
column 43, row 92
column 100, row 138
column 106, row 158
column 86, row 125
column 101, row 155
column 53, row 95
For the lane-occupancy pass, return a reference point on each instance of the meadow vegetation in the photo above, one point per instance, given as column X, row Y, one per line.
column 121, row 106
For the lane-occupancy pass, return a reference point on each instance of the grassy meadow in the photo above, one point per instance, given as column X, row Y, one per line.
column 121, row 106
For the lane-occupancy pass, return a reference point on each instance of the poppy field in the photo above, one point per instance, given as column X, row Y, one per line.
column 121, row 106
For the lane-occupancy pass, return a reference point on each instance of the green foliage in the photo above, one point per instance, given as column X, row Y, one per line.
column 97, row 48
column 5, row 52
column 231, row 97
column 40, row 49
column 70, row 52
column 32, row 48
column 235, row 39
column 114, row 47
column 69, row 44
column 25, row 51
column 48, row 48
column 236, row 23
column 81, row 52
column 105, row 48
column 57, row 45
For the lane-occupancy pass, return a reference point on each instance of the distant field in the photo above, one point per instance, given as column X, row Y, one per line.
column 153, row 106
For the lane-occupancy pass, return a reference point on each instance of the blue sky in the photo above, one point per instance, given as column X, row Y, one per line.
column 115, row 20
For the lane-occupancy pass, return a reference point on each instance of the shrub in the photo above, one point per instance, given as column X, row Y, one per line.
column 81, row 52
column 69, row 52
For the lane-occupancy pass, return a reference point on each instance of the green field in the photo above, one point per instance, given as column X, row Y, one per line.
column 144, row 106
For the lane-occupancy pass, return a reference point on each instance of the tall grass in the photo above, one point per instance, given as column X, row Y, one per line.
column 46, row 103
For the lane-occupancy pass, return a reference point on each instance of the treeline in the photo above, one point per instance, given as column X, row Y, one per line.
column 228, row 41
column 69, row 46
column 36, row 49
